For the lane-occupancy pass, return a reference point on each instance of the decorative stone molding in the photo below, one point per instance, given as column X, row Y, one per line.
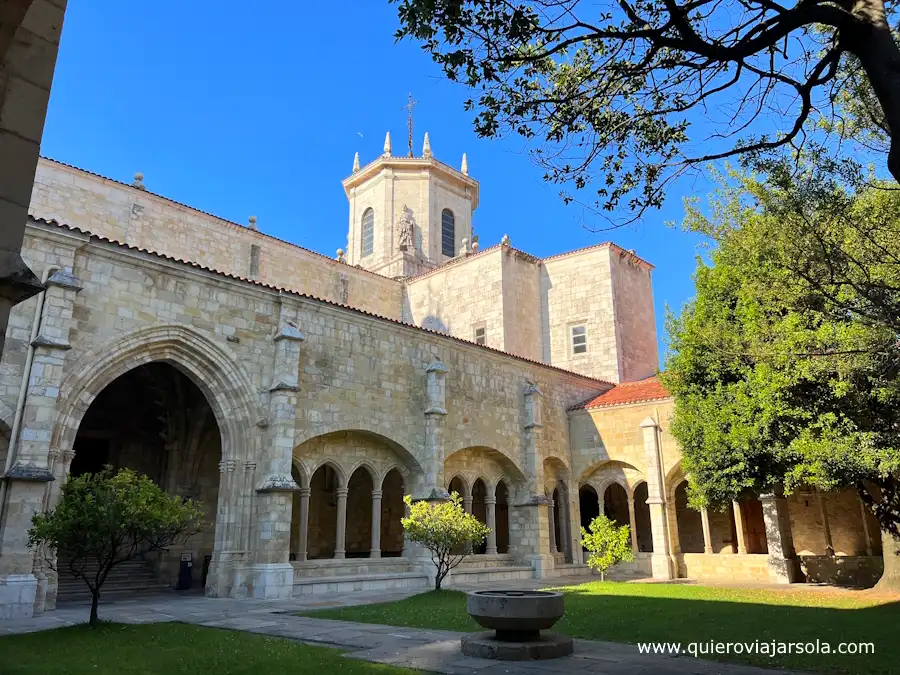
column 50, row 343
column 534, row 418
column 435, row 390
column 282, row 386
column 30, row 474
column 289, row 331
column 279, row 483
column 64, row 279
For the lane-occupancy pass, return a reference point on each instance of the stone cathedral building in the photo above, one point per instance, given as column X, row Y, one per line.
column 298, row 397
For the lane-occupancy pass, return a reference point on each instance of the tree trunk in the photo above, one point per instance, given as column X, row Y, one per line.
column 890, row 580
column 95, row 600
column 869, row 38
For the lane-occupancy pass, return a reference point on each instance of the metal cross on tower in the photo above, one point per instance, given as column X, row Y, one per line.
column 409, row 122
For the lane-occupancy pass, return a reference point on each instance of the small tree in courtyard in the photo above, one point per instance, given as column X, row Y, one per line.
column 106, row 518
column 445, row 529
column 607, row 543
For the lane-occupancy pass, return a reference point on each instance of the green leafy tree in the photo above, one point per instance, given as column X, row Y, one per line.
column 106, row 518
column 607, row 543
column 446, row 530
column 629, row 94
column 785, row 367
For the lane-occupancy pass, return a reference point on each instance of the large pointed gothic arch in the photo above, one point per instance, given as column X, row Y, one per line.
column 230, row 394
column 227, row 388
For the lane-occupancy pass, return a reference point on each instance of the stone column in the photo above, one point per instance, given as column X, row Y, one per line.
column 303, row 538
column 662, row 565
column 490, row 506
column 271, row 575
column 551, row 509
column 435, row 412
column 530, row 514
column 826, row 525
column 467, row 504
column 779, row 538
column 376, row 524
column 707, row 537
column 30, row 460
column 340, row 540
column 865, row 525
column 633, row 524
column 739, row 527
column 404, row 553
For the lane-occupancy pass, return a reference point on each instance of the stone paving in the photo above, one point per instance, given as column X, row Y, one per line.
column 429, row 650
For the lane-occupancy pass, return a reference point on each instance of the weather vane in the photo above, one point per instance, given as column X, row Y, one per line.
column 409, row 122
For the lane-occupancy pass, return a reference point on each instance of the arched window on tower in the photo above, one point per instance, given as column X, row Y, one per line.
column 368, row 232
column 448, row 233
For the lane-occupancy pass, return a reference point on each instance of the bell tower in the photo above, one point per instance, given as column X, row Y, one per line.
column 408, row 214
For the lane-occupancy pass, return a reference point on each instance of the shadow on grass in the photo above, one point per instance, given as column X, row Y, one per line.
column 633, row 613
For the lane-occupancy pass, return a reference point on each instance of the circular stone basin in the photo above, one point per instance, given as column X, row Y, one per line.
column 517, row 616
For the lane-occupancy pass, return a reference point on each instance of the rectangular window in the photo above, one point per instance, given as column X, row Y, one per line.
column 579, row 339
column 254, row 261
column 480, row 337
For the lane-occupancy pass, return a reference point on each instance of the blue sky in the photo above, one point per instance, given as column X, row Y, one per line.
column 257, row 108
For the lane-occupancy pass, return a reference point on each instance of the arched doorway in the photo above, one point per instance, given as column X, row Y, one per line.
column 643, row 529
column 358, row 538
column 458, row 486
column 615, row 504
column 479, row 509
column 690, row 523
column 558, row 531
column 754, row 525
column 589, row 505
column 502, row 517
column 392, row 510
column 323, row 499
column 155, row 420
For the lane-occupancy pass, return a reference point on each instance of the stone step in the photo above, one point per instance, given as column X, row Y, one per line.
column 111, row 594
column 352, row 567
column 360, row 582
column 130, row 578
column 483, row 575
column 482, row 561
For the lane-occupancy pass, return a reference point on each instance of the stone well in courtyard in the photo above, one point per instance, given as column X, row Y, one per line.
column 516, row 619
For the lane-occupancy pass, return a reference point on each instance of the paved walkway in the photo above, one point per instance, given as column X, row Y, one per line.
column 430, row 650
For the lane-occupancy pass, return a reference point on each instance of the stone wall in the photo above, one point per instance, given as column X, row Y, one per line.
column 737, row 567
column 848, row 535
column 576, row 289
column 459, row 297
column 632, row 291
column 138, row 218
column 845, row 570
column 523, row 316
column 613, row 434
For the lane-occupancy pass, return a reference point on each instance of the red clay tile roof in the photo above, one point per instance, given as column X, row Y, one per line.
column 650, row 389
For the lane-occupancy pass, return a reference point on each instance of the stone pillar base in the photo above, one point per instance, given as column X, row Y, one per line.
column 272, row 581
column 17, row 595
column 783, row 570
column 662, row 566
column 543, row 566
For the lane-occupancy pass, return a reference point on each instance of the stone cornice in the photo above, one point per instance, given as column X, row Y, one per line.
column 426, row 164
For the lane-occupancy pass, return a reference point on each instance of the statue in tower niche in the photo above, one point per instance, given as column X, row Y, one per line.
column 406, row 229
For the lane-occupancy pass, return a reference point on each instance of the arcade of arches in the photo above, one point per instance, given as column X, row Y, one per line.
column 336, row 517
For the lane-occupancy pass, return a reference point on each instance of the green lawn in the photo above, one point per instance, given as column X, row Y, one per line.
column 170, row 649
column 620, row 612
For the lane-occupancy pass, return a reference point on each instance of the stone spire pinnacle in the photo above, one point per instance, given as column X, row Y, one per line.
column 356, row 162
column 426, row 147
column 465, row 165
column 387, row 144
